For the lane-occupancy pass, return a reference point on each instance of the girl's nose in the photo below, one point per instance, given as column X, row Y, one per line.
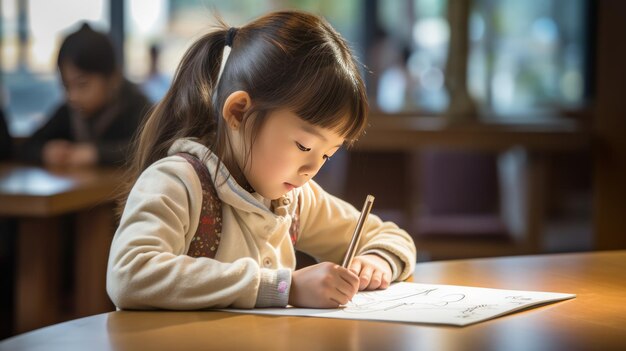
column 306, row 171
column 310, row 169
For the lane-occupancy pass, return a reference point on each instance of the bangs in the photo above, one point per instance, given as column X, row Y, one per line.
column 332, row 99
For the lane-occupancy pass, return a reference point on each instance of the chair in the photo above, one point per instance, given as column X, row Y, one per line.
column 459, row 206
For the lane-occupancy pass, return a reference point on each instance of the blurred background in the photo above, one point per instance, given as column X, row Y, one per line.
column 496, row 128
column 527, row 59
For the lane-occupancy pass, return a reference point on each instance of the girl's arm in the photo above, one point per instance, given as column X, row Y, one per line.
column 327, row 223
column 148, row 266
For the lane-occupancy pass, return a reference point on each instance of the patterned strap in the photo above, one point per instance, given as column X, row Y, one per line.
column 207, row 237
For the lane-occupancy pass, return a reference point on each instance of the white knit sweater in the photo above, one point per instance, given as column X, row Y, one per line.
column 148, row 267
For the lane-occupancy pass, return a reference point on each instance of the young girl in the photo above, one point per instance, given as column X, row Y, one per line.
column 253, row 112
column 101, row 113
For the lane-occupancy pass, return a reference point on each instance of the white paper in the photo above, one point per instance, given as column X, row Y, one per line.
column 426, row 303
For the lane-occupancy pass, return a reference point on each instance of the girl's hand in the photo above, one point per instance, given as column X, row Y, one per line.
column 373, row 271
column 324, row 285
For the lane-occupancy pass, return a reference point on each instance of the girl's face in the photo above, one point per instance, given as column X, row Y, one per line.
column 287, row 152
column 86, row 92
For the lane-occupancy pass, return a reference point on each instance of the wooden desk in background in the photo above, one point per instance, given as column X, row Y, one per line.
column 38, row 197
column 594, row 320
column 406, row 132
column 538, row 138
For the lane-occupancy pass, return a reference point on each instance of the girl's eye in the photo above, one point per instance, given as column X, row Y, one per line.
column 302, row 147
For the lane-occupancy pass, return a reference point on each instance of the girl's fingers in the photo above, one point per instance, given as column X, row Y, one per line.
column 376, row 280
column 386, row 281
column 349, row 276
column 356, row 266
column 365, row 276
column 346, row 288
column 341, row 297
column 334, row 300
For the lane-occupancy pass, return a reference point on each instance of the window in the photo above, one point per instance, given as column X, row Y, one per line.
column 31, row 34
column 526, row 57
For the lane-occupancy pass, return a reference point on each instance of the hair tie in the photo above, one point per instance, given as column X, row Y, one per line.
column 226, row 52
column 230, row 36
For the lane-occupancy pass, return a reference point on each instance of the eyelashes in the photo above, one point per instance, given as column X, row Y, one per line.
column 302, row 147
column 307, row 149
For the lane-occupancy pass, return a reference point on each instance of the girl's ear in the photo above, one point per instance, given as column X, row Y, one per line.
column 235, row 108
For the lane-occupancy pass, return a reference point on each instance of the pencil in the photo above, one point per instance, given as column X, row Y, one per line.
column 356, row 236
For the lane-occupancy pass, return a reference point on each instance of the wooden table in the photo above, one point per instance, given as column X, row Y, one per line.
column 594, row 320
column 38, row 197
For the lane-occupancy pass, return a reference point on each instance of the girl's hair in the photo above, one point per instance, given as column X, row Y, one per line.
column 89, row 51
column 287, row 59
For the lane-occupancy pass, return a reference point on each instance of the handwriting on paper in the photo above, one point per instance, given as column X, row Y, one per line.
column 427, row 303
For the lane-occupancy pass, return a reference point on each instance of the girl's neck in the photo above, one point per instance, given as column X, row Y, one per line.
column 236, row 172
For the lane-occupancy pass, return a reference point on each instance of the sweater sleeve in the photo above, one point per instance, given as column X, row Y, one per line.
column 148, row 267
column 326, row 228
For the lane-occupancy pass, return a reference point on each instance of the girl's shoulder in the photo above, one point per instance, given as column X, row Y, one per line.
column 168, row 172
column 174, row 164
column 170, row 164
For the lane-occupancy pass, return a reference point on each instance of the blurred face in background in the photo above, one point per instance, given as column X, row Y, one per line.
column 87, row 92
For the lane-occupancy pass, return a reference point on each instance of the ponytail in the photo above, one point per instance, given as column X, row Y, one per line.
column 187, row 110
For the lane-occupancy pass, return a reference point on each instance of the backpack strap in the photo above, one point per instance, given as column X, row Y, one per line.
column 207, row 237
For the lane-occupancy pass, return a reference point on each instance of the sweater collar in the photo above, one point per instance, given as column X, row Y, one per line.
column 228, row 190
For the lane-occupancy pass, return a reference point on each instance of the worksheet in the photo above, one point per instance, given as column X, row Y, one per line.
column 426, row 303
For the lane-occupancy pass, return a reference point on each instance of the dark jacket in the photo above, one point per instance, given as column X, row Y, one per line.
column 6, row 142
column 110, row 131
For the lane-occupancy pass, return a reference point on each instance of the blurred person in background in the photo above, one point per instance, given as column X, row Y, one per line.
column 6, row 142
column 7, row 239
column 102, row 110
column 156, row 83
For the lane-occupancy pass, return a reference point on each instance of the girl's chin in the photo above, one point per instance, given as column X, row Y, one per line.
column 276, row 193
column 272, row 195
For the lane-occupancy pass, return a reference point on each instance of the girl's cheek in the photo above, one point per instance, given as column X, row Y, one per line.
column 277, row 156
column 279, row 165
column 284, row 165
column 272, row 162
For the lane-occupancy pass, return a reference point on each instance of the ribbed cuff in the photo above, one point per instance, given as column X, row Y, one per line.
column 397, row 266
column 274, row 288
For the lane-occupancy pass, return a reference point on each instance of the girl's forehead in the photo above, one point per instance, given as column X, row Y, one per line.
column 326, row 135
column 292, row 120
